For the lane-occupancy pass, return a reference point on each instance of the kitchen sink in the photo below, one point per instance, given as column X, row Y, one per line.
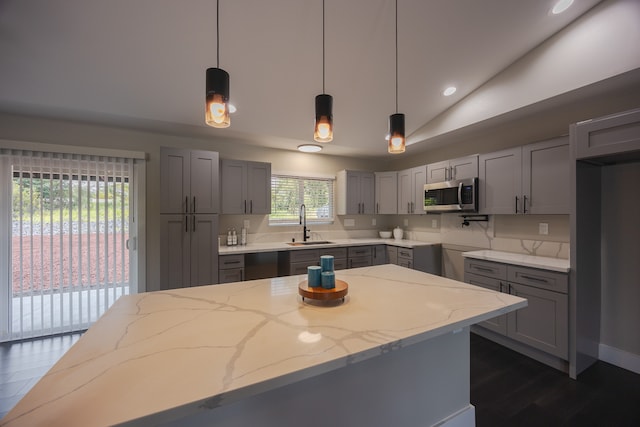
column 309, row 243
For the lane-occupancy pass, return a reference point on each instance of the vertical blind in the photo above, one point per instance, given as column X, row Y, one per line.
column 288, row 192
column 69, row 224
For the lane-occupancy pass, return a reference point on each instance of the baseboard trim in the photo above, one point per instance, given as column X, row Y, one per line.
column 620, row 358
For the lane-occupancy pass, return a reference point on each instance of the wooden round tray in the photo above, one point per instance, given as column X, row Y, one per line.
column 322, row 294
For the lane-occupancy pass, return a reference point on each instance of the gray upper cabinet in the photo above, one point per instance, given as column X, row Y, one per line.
column 533, row 179
column 612, row 135
column 448, row 170
column 245, row 187
column 189, row 181
column 355, row 192
column 386, row 192
column 411, row 190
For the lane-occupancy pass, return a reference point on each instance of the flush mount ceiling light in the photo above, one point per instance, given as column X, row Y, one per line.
column 323, row 129
column 449, row 91
column 217, row 91
column 561, row 6
column 309, row 148
column 396, row 143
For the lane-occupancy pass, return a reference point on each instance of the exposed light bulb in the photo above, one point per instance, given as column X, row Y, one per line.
column 449, row 91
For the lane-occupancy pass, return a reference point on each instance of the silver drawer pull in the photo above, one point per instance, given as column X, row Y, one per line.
column 535, row 279
column 231, row 262
column 488, row 270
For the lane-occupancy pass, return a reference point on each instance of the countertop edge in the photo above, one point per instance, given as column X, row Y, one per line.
column 523, row 260
column 337, row 243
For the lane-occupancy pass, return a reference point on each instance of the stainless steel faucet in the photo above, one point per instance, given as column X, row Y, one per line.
column 303, row 222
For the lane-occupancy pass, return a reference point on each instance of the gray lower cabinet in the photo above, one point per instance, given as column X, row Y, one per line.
column 543, row 324
column 427, row 258
column 359, row 256
column 291, row 263
column 231, row 268
column 379, row 254
column 188, row 250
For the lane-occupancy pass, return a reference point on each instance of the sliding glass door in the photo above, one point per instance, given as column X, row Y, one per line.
column 66, row 221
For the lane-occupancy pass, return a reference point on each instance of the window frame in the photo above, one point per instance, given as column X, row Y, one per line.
column 301, row 178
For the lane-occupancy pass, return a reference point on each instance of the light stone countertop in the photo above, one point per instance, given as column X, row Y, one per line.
column 545, row 263
column 283, row 246
column 185, row 350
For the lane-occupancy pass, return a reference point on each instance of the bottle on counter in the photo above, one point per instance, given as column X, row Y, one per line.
column 229, row 238
column 243, row 236
column 234, row 237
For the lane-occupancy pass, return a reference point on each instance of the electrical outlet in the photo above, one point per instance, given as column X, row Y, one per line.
column 543, row 228
column 373, row 221
column 247, row 224
column 406, row 222
column 434, row 223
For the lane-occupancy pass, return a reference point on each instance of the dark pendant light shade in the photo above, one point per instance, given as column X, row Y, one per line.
column 396, row 133
column 217, row 98
column 323, row 131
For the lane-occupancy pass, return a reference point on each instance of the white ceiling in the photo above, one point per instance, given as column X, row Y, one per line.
column 142, row 63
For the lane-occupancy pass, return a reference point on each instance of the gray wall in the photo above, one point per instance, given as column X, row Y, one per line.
column 620, row 260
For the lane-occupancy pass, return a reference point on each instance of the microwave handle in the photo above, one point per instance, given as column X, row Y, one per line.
column 460, row 196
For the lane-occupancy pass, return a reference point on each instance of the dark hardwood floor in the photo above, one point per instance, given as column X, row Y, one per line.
column 507, row 389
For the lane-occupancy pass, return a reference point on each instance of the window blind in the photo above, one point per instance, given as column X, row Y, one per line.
column 288, row 192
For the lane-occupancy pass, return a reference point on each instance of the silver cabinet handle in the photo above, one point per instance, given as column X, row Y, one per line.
column 535, row 279
column 460, row 196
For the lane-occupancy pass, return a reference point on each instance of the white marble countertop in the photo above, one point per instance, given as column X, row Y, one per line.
column 183, row 350
column 545, row 263
column 283, row 246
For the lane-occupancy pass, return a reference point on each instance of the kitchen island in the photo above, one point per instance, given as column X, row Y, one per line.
column 396, row 352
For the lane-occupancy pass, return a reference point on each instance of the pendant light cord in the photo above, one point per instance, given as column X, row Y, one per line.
column 323, row 91
column 218, row 34
column 396, row 56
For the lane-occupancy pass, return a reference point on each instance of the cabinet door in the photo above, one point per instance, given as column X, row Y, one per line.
column 352, row 193
column 543, row 324
column 379, row 255
column 500, row 182
column 463, row 168
column 357, row 262
column 174, row 180
column 418, row 180
column 386, row 192
column 545, row 177
column 174, row 251
column 405, row 192
column 233, row 184
column 204, row 182
column 392, row 254
column 499, row 323
column 259, row 188
column 367, row 193
column 204, row 249
column 438, row 172
column 608, row 136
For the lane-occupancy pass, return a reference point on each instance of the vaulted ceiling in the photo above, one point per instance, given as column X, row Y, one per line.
column 142, row 63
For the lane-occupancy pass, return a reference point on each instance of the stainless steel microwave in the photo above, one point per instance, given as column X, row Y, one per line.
column 452, row 196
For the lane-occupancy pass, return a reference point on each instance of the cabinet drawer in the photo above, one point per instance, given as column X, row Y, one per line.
column 542, row 279
column 406, row 253
column 305, row 256
column 485, row 268
column 359, row 251
column 364, row 261
column 403, row 262
column 231, row 261
column 340, row 264
column 231, row 275
column 337, row 253
column 301, row 267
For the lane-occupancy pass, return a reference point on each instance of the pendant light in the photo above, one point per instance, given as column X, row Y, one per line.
column 217, row 94
column 323, row 130
column 396, row 121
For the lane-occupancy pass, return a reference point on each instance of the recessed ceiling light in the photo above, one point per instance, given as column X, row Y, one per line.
column 449, row 91
column 309, row 148
column 561, row 6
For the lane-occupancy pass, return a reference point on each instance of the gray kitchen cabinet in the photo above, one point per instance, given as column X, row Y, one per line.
column 359, row 256
column 448, row 170
column 189, row 181
column 231, row 268
column 188, row 250
column 379, row 254
column 427, row 258
column 532, row 179
column 543, row 324
column 608, row 138
column 355, row 192
column 245, row 187
column 386, row 192
column 296, row 262
column 411, row 190
column 392, row 254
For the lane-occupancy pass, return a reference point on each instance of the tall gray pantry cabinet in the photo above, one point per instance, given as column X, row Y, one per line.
column 189, row 207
